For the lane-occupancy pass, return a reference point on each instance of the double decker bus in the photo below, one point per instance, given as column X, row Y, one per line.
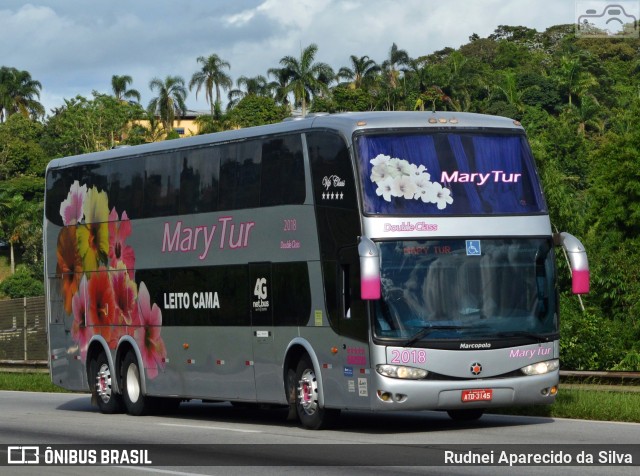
column 374, row 261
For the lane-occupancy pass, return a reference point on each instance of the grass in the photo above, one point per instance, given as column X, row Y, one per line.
column 587, row 403
column 582, row 402
column 28, row 382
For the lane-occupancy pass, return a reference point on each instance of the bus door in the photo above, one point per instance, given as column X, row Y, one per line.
column 354, row 369
column 268, row 374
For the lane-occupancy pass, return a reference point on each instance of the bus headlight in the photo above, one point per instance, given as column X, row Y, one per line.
column 400, row 371
column 541, row 367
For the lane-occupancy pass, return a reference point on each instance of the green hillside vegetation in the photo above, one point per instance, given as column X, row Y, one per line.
column 578, row 98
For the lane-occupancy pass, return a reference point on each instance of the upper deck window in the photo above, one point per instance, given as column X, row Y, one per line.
column 448, row 173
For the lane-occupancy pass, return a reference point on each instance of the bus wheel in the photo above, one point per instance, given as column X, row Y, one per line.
column 135, row 403
column 310, row 414
column 108, row 401
column 470, row 414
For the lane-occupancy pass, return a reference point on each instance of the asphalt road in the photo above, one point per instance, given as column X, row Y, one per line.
column 252, row 441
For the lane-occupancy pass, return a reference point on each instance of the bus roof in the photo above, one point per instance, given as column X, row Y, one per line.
column 346, row 123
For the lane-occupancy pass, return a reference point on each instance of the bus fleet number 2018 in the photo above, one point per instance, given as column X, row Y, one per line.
column 413, row 356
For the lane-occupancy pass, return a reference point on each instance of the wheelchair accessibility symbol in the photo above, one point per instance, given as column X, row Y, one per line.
column 473, row 248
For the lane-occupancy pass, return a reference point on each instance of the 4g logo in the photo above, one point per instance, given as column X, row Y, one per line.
column 260, row 291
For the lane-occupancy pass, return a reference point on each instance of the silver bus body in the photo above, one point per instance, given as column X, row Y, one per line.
column 188, row 298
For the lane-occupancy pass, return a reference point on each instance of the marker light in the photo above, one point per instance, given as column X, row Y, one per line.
column 400, row 371
column 541, row 367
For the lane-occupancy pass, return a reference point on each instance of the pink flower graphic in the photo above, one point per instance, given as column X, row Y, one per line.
column 79, row 330
column 71, row 209
column 102, row 307
column 119, row 252
column 147, row 336
column 98, row 269
column 125, row 292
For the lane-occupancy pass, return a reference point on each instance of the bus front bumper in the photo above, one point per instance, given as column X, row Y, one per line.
column 397, row 394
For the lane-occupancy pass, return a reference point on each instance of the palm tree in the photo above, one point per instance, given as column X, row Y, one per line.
column 119, row 84
column 15, row 214
column 306, row 78
column 397, row 57
column 170, row 102
column 361, row 73
column 17, row 94
column 257, row 86
column 279, row 86
column 508, row 85
column 211, row 75
column 573, row 77
column 390, row 67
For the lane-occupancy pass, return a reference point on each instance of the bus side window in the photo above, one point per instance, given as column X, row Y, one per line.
column 282, row 178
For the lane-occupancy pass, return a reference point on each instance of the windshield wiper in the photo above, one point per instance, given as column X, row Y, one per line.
column 530, row 335
column 426, row 330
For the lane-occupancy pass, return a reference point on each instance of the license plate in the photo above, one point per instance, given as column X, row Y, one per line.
column 477, row 395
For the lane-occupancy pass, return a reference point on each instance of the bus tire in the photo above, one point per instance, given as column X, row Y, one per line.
column 134, row 401
column 467, row 414
column 310, row 414
column 108, row 400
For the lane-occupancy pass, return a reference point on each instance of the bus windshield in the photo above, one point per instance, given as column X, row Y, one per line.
column 448, row 173
column 466, row 289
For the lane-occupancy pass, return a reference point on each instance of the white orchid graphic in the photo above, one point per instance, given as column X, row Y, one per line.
column 399, row 178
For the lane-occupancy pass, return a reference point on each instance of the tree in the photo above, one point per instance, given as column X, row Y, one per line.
column 18, row 93
column 508, row 86
column 14, row 210
column 170, row 102
column 346, row 98
column 256, row 86
column 211, row 76
column 20, row 150
column 119, row 84
column 279, row 86
column 396, row 58
column 573, row 78
column 362, row 72
column 255, row 110
column 149, row 130
column 84, row 125
column 306, row 78
column 391, row 73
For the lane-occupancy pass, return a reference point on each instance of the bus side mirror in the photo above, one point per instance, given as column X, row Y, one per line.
column 369, row 269
column 577, row 260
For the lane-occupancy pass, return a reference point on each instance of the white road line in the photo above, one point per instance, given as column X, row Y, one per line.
column 202, row 427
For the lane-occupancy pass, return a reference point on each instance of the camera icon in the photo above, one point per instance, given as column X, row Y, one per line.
column 604, row 19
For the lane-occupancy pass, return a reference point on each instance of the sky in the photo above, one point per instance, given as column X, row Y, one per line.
column 75, row 46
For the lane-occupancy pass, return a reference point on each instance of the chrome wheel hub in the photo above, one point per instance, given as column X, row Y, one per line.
column 308, row 392
column 103, row 383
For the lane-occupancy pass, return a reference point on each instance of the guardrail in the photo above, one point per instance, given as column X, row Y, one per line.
column 26, row 366
column 600, row 377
